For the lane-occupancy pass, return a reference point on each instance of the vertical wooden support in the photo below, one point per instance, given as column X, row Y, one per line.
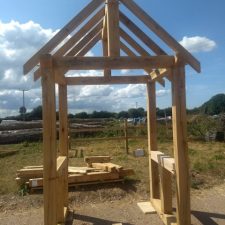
column 126, row 136
column 62, row 186
column 49, row 139
column 152, row 140
column 107, row 73
column 165, row 190
column 180, row 145
column 113, row 27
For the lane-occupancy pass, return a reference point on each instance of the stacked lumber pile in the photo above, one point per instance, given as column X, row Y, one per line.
column 99, row 169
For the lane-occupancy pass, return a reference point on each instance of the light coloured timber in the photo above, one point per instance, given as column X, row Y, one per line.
column 62, row 34
column 107, row 73
column 81, row 33
column 113, row 27
column 59, row 75
column 108, row 167
column 152, row 140
column 129, row 52
column 165, row 190
column 164, row 161
column 141, row 35
column 61, row 163
column 162, row 33
column 92, row 176
column 168, row 219
column 89, row 45
column 63, row 140
column 90, row 35
column 49, row 139
column 123, row 62
column 141, row 79
column 159, row 74
column 180, row 146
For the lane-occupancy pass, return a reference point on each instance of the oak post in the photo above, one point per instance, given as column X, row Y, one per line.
column 63, row 151
column 180, row 145
column 152, row 140
column 113, row 27
column 49, row 139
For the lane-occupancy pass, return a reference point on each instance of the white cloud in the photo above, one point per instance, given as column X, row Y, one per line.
column 18, row 42
column 162, row 92
column 198, row 44
column 95, row 91
column 131, row 91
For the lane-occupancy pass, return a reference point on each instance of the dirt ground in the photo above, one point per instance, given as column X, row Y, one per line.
column 107, row 205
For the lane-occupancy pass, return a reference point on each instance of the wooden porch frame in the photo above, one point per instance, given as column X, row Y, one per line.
column 104, row 24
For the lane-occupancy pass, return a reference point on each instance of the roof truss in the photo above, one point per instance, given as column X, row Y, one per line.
column 104, row 25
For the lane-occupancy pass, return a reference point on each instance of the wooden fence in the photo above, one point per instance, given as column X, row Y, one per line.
column 124, row 129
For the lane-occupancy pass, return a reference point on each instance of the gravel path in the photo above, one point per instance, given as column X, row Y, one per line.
column 208, row 208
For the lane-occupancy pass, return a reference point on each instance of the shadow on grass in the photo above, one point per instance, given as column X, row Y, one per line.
column 206, row 217
column 92, row 220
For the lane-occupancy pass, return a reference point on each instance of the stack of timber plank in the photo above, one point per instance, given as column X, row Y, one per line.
column 99, row 169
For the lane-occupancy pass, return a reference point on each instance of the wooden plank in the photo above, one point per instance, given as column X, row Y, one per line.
column 93, row 176
column 113, row 36
column 146, row 207
column 62, row 34
column 162, row 33
column 63, row 121
column 141, row 35
column 165, row 190
column 123, row 62
column 126, row 172
column 63, row 140
column 168, row 219
column 164, row 161
column 180, row 146
column 97, row 159
column 152, row 140
column 139, row 79
column 49, row 139
column 108, row 167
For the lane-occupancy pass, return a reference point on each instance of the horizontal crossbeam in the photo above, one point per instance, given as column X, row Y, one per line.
column 124, row 62
column 142, row 79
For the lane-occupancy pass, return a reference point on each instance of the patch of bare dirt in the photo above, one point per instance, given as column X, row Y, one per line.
column 108, row 204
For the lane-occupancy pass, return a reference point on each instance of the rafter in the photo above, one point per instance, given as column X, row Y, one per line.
column 75, row 50
column 81, row 33
column 62, row 34
column 141, row 35
column 162, row 33
column 140, row 50
column 129, row 52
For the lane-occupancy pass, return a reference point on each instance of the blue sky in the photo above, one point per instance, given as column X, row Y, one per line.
column 201, row 22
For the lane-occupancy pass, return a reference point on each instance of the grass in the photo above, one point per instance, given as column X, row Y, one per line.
column 207, row 160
